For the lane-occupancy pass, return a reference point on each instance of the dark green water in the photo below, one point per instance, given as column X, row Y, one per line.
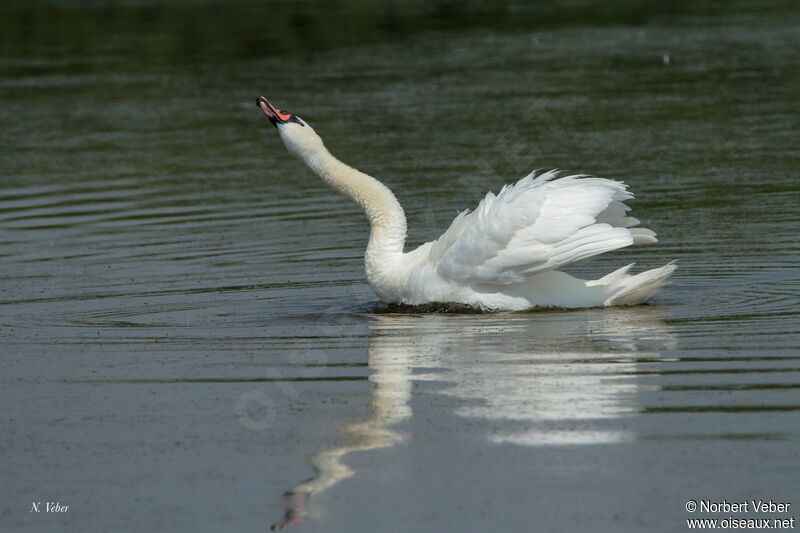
column 185, row 328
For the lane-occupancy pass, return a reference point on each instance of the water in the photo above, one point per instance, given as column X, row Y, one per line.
column 186, row 329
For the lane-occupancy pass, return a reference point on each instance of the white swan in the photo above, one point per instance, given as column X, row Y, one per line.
column 504, row 255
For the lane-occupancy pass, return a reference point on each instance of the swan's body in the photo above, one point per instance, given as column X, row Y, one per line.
column 504, row 255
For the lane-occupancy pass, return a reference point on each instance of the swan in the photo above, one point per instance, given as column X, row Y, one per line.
column 507, row 253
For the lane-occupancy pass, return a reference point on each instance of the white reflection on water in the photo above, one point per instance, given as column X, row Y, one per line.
column 392, row 379
column 552, row 376
column 549, row 378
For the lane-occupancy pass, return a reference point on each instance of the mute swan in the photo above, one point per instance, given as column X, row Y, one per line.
column 505, row 254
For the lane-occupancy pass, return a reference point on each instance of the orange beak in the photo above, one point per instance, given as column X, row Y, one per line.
column 274, row 115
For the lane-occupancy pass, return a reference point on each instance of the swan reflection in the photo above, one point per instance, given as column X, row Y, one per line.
column 541, row 379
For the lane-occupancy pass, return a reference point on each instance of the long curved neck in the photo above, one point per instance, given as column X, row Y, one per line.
column 386, row 217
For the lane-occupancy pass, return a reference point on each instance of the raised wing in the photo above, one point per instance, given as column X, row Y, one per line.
column 538, row 224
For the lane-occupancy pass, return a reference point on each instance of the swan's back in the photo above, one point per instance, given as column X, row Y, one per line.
column 507, row 252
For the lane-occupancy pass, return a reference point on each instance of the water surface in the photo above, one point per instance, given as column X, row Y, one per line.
column 186, row 329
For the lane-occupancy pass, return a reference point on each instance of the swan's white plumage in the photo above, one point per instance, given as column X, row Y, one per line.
column 506, row 254
column 538, row 224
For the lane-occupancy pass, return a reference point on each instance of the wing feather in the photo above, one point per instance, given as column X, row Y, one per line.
column 538, row 224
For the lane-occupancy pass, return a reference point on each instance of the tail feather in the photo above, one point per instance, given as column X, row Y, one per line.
column 625, row 289
column 643, row 236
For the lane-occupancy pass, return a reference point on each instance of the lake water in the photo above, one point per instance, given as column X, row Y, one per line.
column 186, row 329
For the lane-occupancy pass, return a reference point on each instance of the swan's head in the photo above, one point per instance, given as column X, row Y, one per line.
column 299, row 138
